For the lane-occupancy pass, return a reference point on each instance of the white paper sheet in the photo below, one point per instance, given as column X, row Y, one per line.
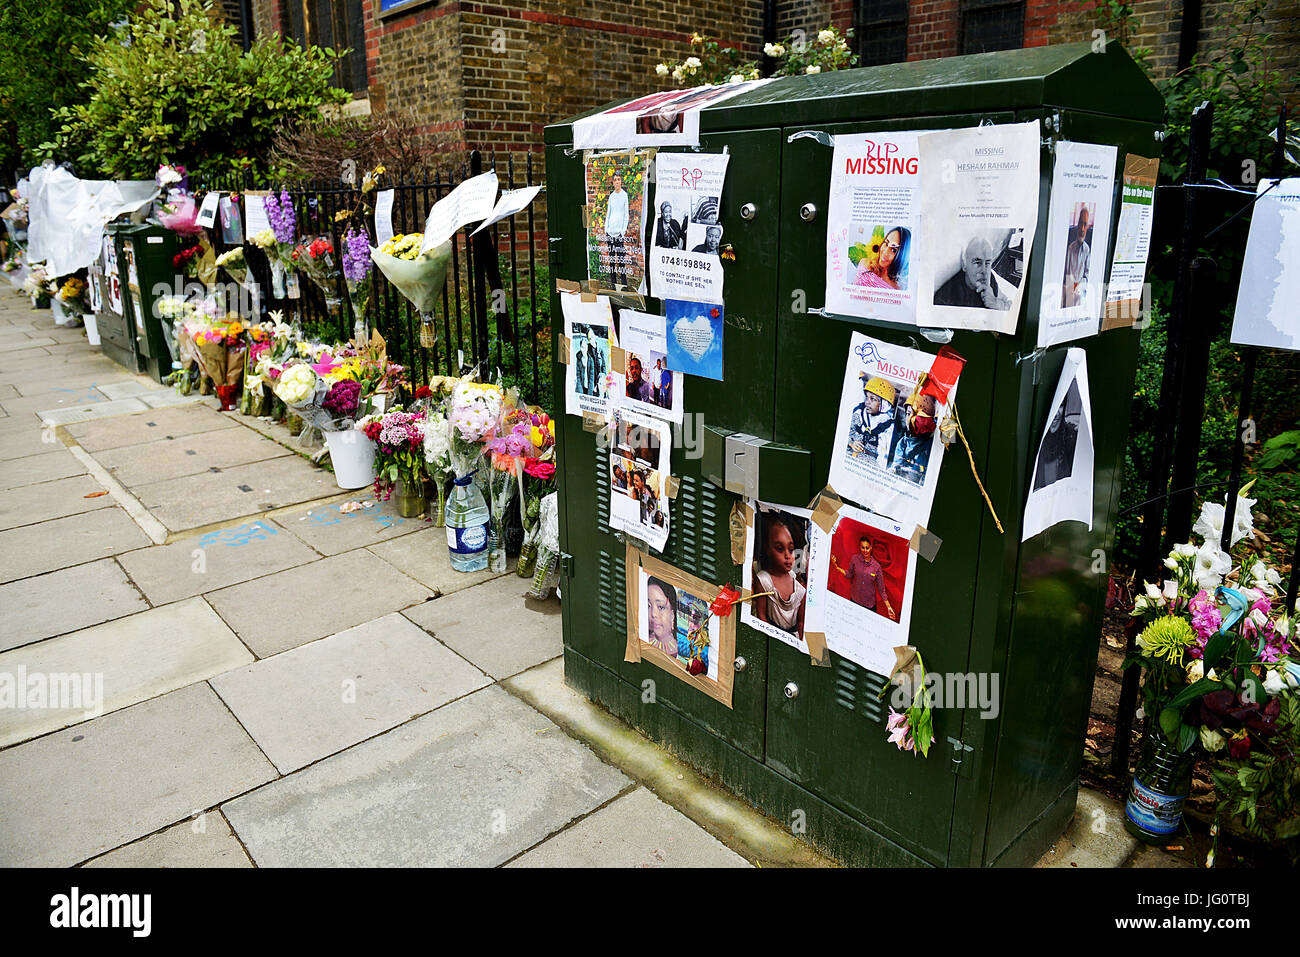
column 860, row 597
column 669, row 118
column 1060, row 489
column 207, row 216
column 872, row 226
column 685, row 234
column 644, row 341
column 589, row 326
column 779, row 534
column 979, row 206
column 639, row 469
column 67, row 215
column 887, row 452
column 255, row 218
column 1128, row 266
column 1267, row 313
column 469, row 202
column 512, row 201
column 1078, row 235
column 384, row 216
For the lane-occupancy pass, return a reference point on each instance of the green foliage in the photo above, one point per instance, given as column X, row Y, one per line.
column 711, row 63
column 41, row 68
column 1260, row 791
column 178, row 89
column 1281, row 450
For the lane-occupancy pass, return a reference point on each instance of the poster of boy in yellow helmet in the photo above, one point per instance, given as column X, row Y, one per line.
column 887, row 445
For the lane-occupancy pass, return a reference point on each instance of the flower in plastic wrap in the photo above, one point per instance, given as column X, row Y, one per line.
column 264, row 239
column 475, row 408
column 419, row 278
column 437, row 444
column 181, row 216
column 296, row 385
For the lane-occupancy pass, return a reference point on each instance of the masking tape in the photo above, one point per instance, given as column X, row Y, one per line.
column 566, row 349
column 821, row 658
column 672, row 485
column 567, row 285
column 617, row 358
column 592, row 422
column 825, row 508
column 925, row 543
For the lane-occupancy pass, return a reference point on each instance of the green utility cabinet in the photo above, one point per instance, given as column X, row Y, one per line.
column 994, row 790
column 143, row 255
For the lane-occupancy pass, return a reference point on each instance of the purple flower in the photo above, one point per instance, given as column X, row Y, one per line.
column 356, row 256
column 1206, row 619
column 284, row 223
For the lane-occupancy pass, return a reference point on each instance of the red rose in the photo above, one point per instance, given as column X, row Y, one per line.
column 540, row 470
column 715, row 312
column 1239, row 747
column 423, row 392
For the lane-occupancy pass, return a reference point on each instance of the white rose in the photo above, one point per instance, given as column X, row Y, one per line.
column 1274, row 683
column 1212, row 741
column 825, row 36
column 662, row 69
column 678, row 73
column 736, row 78
column 693, row 62
column 774, row 49
column 814, row 68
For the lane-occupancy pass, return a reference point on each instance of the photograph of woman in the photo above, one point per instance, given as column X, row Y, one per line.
column 661, row 616
column 885, row 264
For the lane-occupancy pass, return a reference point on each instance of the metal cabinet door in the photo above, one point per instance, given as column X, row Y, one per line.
column 831, row 737
column 699, row 538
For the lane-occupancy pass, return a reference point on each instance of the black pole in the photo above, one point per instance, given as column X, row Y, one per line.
column 481, row 252
column 1194, row 355
column 1239, row 445
column 768, row 66
column 1189, row 36
column 1167, row 417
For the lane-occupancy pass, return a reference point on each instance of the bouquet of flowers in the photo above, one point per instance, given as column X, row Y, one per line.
column 279, row 250
column 232, row 261
column 418, row 277
column 180, row 214
column 316, row 259
column 437, row 457
column 72, row 294
column 399, row 452
column 220, row 355
column 356, row 273
column 527, row 437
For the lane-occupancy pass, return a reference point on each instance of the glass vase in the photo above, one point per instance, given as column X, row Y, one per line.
column 438, row 505
column 1161, row 782
column 497, row 546
column 408, row 499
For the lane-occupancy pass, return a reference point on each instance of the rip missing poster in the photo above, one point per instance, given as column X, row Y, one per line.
column 638, row 477
column 588, row 327
column 777, row 546
column 686, row 239
column 647, row 382
column 979, row 189
column 871, row 226
column 1078, row 224
column 615, row 218
column 887, row 449
column 1061, row 490
column 860, row 586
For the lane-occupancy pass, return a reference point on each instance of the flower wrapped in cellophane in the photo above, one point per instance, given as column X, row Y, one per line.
column 317, row 260
column 418, row 276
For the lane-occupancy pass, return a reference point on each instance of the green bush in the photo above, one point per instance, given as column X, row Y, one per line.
column 177, row 88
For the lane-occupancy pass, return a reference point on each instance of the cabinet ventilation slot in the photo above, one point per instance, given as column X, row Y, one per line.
column 602, row 492
column 613, row 592
column 693, row 534
column 858, row 689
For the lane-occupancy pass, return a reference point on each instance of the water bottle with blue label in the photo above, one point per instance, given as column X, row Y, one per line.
column 468, row 524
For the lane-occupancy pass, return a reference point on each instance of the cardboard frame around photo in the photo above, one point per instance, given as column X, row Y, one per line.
column 638, row 650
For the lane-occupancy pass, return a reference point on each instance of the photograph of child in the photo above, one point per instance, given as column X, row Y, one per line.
column 868, row 567
column 678, row 624
column 883, row 263
column 1078, row 249
column 1056, row 455
column 893, row 433
column 779, row 566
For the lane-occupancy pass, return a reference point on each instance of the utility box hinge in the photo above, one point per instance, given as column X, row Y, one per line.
column 554, row 251
column 963, row 763
column 566, row 565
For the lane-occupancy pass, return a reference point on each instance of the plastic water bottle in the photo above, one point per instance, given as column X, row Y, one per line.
column 468, row 524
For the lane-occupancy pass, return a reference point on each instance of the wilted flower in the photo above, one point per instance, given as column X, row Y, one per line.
column 813, row 68
column 1212, row 740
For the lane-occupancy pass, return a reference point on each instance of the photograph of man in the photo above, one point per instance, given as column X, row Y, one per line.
column 616, row 223
column 866, row 579
column 637, row 387
column 669, row 233
column 911, row 456
column 595, row 369
column 871, row 423
column 1077, row 252
column 661, row 616
column 619, row 478
column 974, row 285
column 580, row 359
column 650, row 513
column 712, row 239
column 1056, row 455
column 664, row 393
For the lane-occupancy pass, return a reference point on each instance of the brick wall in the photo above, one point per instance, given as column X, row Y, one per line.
column 269, row 17
column 931, row 29
column 812, row 15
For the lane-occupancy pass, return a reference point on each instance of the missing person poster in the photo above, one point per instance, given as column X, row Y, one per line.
column 686, row 238
column 1128, row 268
column 638, row 477
column 887, row 449
column 588, row 327
column 871, row 226
column 1061, row 489
column 777, row 547
column 615, row 217
column 647, row 383
column 860, row 586
column 979, row 203
column 669, row 118
column 1266, row 313
column 1078, row 234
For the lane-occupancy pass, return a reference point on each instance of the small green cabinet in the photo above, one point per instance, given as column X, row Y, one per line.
column 143, row 254
column 996, row 789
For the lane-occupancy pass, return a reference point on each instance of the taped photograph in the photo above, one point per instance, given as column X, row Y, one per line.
column 777, row 540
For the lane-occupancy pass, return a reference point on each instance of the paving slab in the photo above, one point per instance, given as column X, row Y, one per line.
column 90, row 411
column 193, row 454
column 131, row 659
column 61, row 401
column 77, row 793
column 205, row 841
column 8, row 392
column 55, row 464
column 470, row 785
column 1095, row 837
column 34, row 549
column 38, row 503
column 637, row 830
column 290, row 608
column 193, row 501
column 26, row 438
column 148, row 427
column 424, row 557
column 214, row 560
column 494, row 626
column 120, row 390
column 65, row 600
column 313, row 701
column 163, row 400
column 17, row 355
column 76, row 380
column 331, row 531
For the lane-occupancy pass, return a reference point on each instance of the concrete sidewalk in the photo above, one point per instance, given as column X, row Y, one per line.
column 287, row 684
